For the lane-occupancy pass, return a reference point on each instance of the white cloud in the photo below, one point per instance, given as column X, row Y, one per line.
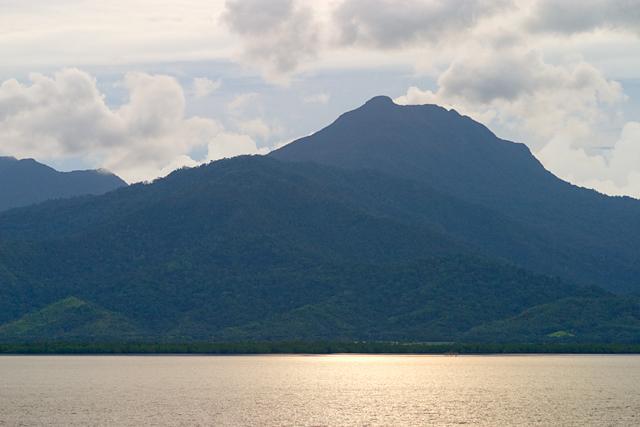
column 318, row 98
column 80, row 32
column 179, row 162
column 246, row 115
column 203, row 87
column 256, row 128
column 65, row 116
column 538, row 71
column 229, row 144
column 616, row 173
column 243, row 101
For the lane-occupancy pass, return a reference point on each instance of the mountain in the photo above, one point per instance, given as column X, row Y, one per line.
column 26, row 182
column 563, row 230
column 70, row 319
column 608, row 320
column 253, row 248
column 225, row 246
column 267, row 248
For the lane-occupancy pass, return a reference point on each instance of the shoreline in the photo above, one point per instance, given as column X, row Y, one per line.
column 313, row 349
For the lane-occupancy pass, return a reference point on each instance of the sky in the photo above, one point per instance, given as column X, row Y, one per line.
column 142, row 87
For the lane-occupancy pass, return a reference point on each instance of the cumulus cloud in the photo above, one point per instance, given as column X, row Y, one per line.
column 203, row 87
column 614, row 173
column 530, row 99
column 230, row 144
column 256, row 128
column 564, row 112
column 246, row 114
column 282, row 36
column 486, row 57
column 277, row 35
column 66, row 116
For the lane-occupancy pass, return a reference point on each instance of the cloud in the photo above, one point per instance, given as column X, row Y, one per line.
column 203, row 87
column 256, row 128
column 182, row 161
column 284, row 37
column 246, row 115
column 577, row 16
column 243, row 101
column 564, row 112
column 526, row 97
column 512, row 64
column 229, row 144
column 277, row 35
column 66, row 116
column 318, row 98
column 386, row 24
column 81, row 32
column 615, row 173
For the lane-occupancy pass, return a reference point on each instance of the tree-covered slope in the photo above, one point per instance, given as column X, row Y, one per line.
column 26, row 182
column 434, row 299
column 70, row 319
column 570, row 231
column 403, row 246
column 255, row 248
column 158, row 249
column 610, row 320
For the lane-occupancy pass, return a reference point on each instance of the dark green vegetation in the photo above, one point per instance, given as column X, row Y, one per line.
column 69, row 317
column 25, row 182
column 539, row 221
column 614, row 319
column 306, row 347
column 443, row 233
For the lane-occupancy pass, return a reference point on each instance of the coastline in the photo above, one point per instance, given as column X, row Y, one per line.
column 311, row 348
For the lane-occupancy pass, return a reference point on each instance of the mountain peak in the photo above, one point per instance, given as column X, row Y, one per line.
column 430, row 144
column 25, row 181
column 381, row 100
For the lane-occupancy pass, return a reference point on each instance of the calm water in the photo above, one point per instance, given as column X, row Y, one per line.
column 320, row 390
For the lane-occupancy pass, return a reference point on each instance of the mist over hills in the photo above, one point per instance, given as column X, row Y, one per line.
column 393, row 223
column 26, row 182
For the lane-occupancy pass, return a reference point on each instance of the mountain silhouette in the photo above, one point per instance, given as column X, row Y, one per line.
column 26, row 182
column 393, row 223
column 565, row 230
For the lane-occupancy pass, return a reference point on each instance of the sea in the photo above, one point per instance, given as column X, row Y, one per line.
column 333, row 390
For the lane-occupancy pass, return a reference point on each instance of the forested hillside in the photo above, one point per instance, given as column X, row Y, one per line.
column 294, row 247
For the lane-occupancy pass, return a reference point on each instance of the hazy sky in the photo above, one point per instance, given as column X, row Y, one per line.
column 141, row 87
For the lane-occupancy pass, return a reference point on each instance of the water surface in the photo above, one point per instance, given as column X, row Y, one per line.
column 319, row 390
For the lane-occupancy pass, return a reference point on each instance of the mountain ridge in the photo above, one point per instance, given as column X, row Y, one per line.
column 462, row 158
column 266, row 248
column 25, row 182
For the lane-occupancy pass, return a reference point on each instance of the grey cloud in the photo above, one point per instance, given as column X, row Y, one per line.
column 485, row 79
column 389, row 24
column 256, row 17
column 528, row 99
column 277, row 34
column 511, row 75
column 576, row 16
